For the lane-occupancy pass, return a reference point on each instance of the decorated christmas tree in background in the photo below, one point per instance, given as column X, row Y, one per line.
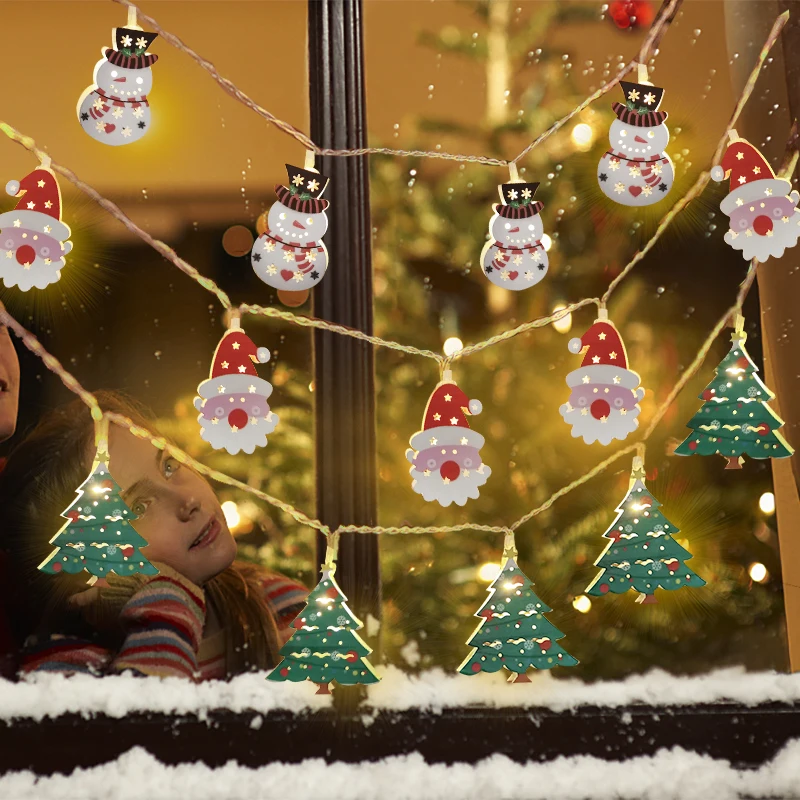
column 735, row 419
column 513, row 632
column 642, row 554
column 98, row 535
column 325, row 646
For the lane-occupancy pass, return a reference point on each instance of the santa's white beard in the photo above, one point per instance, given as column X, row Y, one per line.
column 784, row 234
column 38, row 274
column 432, row 487
column 222, row 437
column 585, row 426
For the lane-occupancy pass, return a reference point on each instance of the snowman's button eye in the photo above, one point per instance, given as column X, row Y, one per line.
column 508, row 226
column 114, row 73
column 140, row 80
column 283, row 216
column 531, row 227
column 623, row 133
column 310, row 221
column 651, row 134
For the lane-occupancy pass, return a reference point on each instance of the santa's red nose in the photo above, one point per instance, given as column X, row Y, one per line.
column 450, row 470
column 238, row 418
column 298, row 225
column 600, row 409
column 26, row 254
column 762, row 225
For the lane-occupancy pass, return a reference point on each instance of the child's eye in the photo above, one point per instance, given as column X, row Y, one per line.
column 139, row 507
column 171, row 466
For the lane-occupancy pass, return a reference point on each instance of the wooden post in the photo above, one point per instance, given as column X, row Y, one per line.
column 346, row 463
column 778, row 279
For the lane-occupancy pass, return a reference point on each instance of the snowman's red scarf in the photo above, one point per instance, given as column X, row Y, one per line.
column 636, row 161
column 509, row 251
column 110, row 101
column 299, row 251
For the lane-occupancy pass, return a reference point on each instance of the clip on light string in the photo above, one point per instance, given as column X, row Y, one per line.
column 73, row 385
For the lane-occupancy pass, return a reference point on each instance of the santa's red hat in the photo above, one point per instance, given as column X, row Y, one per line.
column 445, row 421
column 38, row 206
column 233, row 367
column 605, row 360
column 751, row 176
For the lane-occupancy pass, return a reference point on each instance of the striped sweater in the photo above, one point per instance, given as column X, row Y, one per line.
column 163, row 624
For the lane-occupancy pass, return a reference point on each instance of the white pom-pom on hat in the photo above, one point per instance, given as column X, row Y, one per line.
column 12, row 187
column 717, row 173
column 575, row 345
column 475, row 406
column 262, row 354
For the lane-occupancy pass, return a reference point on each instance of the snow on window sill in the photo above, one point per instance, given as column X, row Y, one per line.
column 52, row 694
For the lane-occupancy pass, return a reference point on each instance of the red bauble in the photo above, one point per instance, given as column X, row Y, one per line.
column 742, row 362
column 673, row 566
column 763, row 429
column 708, row 394
column 631, row 13
column 73, row 516
column 546, row 645
column 693, row 445
column 298, row 623
column 352, row 655
column 332, row 593
column 476, row 667
column 107, row 484
column 604, row 587
column 56, row 567
column 285, row 671
column 486, row 613
column 127, row 550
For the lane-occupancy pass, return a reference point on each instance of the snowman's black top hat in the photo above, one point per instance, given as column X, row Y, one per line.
column 305, row 188
column 518, row 202
column 131, row 49
column 640, row 106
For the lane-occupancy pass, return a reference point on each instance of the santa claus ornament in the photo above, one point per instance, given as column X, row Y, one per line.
column 604, row 403
column 514, row 257
column 764, row 219
column 34, row 239
column 115, row 110
column 290, row 255
column 635, row 170
column 234, row 412
column 445, row 455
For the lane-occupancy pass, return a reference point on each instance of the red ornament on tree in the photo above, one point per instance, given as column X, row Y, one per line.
column 708, row 394
column 631, row 13
column 546, row 645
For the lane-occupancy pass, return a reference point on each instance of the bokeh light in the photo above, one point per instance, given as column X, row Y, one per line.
column 564, row 324
column 758, row 572
column 582, row 136
column 582, row 603
column 767, row 503
column 452, row 345
column 488, row 572
column 231, row 512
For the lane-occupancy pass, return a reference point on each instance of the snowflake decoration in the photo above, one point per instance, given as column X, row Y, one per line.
column 306, row 651
column 80, row 547
column 656, row 566
column 529, row 644
column 658, row 528
column 723, row 387
column 625, row 565
column 752, row 392
column 714, row 425
column 629, row 529
column 530, row 607
column 501, row 606
column 341, row 620
column 633, row 95
column 112, row 549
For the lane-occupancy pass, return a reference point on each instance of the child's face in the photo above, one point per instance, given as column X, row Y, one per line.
column 178, row 512
column 9, row 383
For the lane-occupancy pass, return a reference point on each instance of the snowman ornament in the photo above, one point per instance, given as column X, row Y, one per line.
column 115, row 110
column 514, row 256
column 33, row 238
column 635, row 170
column 290, row 255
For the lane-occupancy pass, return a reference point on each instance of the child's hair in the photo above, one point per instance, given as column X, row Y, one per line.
column 39, row 482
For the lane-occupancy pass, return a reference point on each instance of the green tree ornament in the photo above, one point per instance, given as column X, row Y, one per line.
column 325, row 646
column 642, row 554
column 513, row 632
column 98, row 535
column 735, row 419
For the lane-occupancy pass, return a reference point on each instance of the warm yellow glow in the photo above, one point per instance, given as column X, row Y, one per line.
column 488, row 572
column 758, row 572
column 231, row 512
column 547, row 242
column 582, row 136
column 452, row 345
column 767, row 503
column 564, row 324
column 582, row 603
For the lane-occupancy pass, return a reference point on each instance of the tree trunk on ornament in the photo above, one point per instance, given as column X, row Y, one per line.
column 646, row 599
column 734, row 462
column 518, row 677
column 323, row 688
column 747, row 25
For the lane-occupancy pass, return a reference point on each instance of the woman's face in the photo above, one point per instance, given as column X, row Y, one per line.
column 178, row 511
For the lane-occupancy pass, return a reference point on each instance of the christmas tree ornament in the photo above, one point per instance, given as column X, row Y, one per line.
column 513, row 631
column 735, row 420
column 631, row 14
column 115, row 110
column 514, row 257
column 635, row 170
column 34, row 239
column 234, row 412
column 445, row 455
column 604, row 403
column 98, row 536
column 764, row 219
column 290, row 255
column 325, row 645
column 642, row 554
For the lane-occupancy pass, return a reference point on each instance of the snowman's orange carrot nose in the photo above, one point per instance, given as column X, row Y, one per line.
column 513, row 230
column 639, row 139
column 298, row 225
